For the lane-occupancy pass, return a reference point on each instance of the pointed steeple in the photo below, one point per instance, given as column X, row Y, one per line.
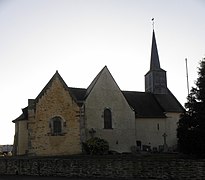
column 154, row 64
column 155, row 79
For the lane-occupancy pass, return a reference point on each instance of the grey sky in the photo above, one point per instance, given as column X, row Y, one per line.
column 79, row 37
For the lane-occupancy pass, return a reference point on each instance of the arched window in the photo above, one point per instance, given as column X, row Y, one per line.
column 56, row 125
column 107, row 119
column 57, row 129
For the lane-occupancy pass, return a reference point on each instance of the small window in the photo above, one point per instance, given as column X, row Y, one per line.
column 158, row 126
column 107, row 119
column 56, row 125
column 139, row 143
column 57, row 129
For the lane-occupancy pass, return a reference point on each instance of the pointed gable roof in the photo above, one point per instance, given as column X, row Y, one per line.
column 78, row 95
column 146, row 105
column 90, row 87
column 48, row 85
column 105, row 70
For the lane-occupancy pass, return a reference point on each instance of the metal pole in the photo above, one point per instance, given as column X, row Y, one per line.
column 187, row 76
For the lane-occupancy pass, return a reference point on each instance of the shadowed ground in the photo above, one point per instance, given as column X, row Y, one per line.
column 9, row 177
column 5, row 177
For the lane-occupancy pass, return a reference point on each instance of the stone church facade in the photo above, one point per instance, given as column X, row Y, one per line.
column 60, row 118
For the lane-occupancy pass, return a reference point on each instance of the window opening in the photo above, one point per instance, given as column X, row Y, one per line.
column 56, row 125
column 158, row 126
column 107, row 119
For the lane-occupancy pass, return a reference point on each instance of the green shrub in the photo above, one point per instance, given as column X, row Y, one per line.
column 95, row 146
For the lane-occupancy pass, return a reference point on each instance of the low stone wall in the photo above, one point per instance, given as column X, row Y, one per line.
column 127, row 166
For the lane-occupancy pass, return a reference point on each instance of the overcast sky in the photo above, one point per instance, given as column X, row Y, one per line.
column 79, row 37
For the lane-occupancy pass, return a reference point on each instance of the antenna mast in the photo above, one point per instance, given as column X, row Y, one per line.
column 187, row 76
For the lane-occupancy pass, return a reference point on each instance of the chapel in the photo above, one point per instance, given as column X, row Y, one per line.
column 61, row 118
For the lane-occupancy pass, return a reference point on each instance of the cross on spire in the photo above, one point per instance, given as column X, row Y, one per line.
column 153, row 23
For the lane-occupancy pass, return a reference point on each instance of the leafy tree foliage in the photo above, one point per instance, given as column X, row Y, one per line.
column 191, row 126
column 96, row 146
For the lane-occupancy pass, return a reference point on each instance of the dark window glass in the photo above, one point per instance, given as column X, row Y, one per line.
column 158, row 126
column 56, row 126
column 107, row 119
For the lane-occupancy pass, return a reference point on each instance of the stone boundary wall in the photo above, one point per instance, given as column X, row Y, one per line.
column 126, row 167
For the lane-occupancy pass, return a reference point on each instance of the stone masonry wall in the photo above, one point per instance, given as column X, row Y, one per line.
column 56, row 101
column 122, row 166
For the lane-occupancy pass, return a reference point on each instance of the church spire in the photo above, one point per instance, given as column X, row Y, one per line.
column 154, row 63
column 155, row 79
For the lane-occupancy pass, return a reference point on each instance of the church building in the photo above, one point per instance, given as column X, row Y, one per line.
column 61, row 118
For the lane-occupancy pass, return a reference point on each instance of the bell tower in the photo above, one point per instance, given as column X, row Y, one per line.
column 155, row 79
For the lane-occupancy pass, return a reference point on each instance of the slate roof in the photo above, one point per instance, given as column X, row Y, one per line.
column 154, row 62
column 169, row 102
column 149, row 105
column 145, row 104
column 78, row 93
column 23, row 116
